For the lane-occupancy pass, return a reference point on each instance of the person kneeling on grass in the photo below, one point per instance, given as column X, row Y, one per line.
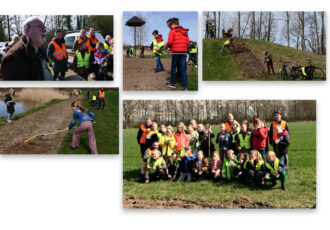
column 229, row 166
column 186, row 164
column 201, row 166
column 155, row 167
column 256, row 168
column 85, row 119
column 147, row 154
column 215, row 166
column 172, row 169
column 227, row 44
column 275, row 170
column 242, row 161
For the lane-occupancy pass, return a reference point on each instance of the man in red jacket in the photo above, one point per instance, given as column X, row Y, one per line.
column 178, row 42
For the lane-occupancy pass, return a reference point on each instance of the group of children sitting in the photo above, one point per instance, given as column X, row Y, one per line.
column 243, row 153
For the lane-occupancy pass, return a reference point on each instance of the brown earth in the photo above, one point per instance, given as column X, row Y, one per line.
column 139, row 74
column 141, row 203
column 53, row 118
column 251, row 66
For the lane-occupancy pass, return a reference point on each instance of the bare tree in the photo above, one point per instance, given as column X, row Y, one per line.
column 269, row 27
column 253, row 26
column 260, row 25
column 323, row 51
column 287, row 20
column 239, row 24
column 302, row 29
column 316, row 33
column 219, row 35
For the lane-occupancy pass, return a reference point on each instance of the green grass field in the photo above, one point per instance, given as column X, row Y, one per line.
column 301, row 177
column 3, row 120
column 106, row 128
column 224, row 67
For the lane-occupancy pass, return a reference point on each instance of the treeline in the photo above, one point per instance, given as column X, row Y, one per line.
column 214, row 111
column 12, row 24
column 300, row 30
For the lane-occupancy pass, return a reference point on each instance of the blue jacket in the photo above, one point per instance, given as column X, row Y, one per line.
column 186, row 164
column 226, row 142
column 89, row 116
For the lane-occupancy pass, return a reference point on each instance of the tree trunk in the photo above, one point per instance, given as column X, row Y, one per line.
column 323, row 51
column 253, row 26
column 269, row 26
column 260, row 26
column 316, row 34
column 302, row 28
column 219, row 34
column 215, row 23
column 287, row 28
column 239, row 24
column 8, row 27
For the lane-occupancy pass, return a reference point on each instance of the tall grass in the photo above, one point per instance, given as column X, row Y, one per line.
column 40, row 95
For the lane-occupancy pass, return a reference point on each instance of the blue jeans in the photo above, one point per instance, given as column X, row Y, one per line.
column 101, row 102
column 263, row 153
column 10, row 115
column 193, row 57
column 181, row 60
column 159, row 63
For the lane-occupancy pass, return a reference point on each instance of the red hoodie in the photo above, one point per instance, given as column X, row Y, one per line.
column 178, row 40
column 259, row 138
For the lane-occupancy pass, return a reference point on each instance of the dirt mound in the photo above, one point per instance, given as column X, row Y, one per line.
column 242, row 202
column 139, row 74
column 251, row 66
column 56, row 117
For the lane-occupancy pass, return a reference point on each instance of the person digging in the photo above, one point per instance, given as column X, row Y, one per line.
column 268, row 59
column 227, row 44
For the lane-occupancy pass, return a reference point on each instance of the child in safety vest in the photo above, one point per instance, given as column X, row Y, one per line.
column 242, row 161
column 275, row 170
column 255, row 168
column 172, row 167
column 192, row 48
column 227, row 44
column 152, row 135
column 186, row 165
column 167, row 144
column 215, row 166
column 93, row 101
column 235, row 130
column 10, row 103
column 229, row 166
column 99, row 57
column 201, row 166
column 147, row 154
column 155, row 167
column 82, row 61
column 243, row 140
column 158, row 46
column 282, row 143
column 224, row 140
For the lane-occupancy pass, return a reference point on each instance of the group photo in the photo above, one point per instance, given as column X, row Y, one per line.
column 160, row 51
column 219, row 154
column 56, row 48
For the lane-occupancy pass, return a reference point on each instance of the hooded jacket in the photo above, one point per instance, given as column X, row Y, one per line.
column 178, row 40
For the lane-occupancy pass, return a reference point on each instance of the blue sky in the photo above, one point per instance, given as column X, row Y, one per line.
column 157, row 21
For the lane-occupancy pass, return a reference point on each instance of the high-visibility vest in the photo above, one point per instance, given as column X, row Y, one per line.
column 107, row 47
column 225, row 167
column 101, row 94
column 276, row 166
column 143, row 138
column 194, row 50
column 158, row 47
column 11, row 100
column 303, row 70
column 94, row 98
column 244, row 143
column 83, row 62
column 144, row 163
column 283, row 124
column 234, row 137
column 89, row 45
column 59, row 52
column 79, row 39
column 176, row 162
column 259, row 164
column 245, row 164
column 157, row 163
column 227, row 43
column 152, row 132
column 228, row 128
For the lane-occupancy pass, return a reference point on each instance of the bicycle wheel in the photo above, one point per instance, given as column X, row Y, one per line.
column 318, row 74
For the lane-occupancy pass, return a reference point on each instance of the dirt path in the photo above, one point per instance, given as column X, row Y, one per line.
column 139, row 74
column 56, row 117
column 242, row 202
column 251, row 66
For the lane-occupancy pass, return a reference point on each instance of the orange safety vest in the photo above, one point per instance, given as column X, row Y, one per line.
column 283, row 124
column 101, row 94
column 143, row 138
column 228, row 128
column 59, row 52
column 88, row 43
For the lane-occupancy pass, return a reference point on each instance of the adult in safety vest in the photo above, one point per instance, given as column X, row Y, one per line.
column 91, row 41
column 57, row 53
column 192, row 48
column 158, row 46
column 80, row 40
column 144, row 129
column 101, row 98
column 82, row 61
column 229, row 122
column 277, row 121
column 108, row 43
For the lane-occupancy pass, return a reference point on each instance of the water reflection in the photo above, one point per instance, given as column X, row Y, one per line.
column 20, row 107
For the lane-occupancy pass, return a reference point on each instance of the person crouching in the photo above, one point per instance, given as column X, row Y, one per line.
column 155, row 167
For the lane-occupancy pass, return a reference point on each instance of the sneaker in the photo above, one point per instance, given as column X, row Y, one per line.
column 9, row 121
column 72, row 148
column 185, row 89
column 156, row 71
column 162, row 70
column 196, row 66
column 170, row 85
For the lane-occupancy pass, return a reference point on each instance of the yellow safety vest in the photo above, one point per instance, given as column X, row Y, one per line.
column 276, row 166
column 158, row 47
column 157, row 163
column 227, row 43
column 94, row 98
column 193, row 50
column 245, row 143
column 107, row 47
column 259, row 164
column 234, row 138
column 303, row 71
column 83, row 62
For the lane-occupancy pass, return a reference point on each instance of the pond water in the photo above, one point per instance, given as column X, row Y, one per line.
column 19, row 108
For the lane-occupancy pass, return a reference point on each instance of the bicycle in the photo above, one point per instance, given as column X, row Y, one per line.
column 285, row 71
column 308, row 72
